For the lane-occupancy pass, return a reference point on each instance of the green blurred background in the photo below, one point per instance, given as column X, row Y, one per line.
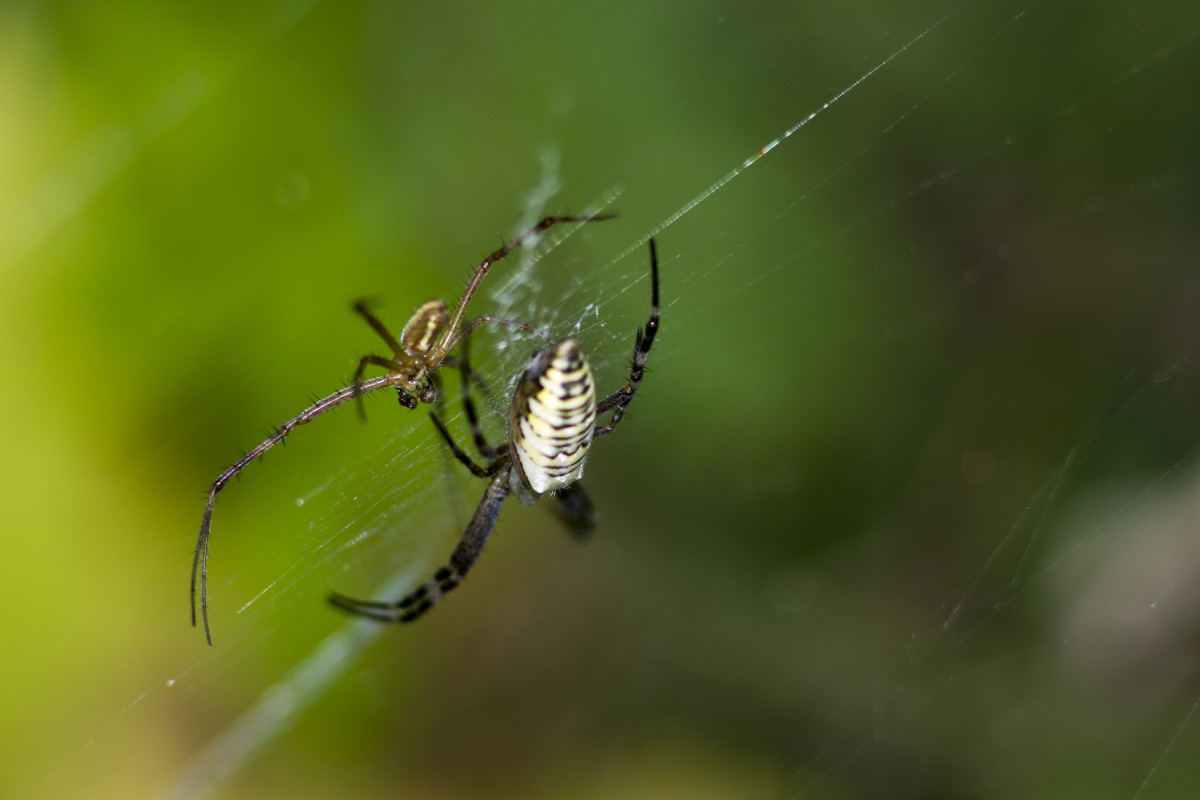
column 907, row 507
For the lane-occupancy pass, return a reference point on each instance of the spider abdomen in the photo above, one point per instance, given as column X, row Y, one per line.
column 553, row 417
column 424, row 327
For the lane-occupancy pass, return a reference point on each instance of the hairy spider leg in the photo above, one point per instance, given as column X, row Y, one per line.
column 200, row 560
column 452, row 336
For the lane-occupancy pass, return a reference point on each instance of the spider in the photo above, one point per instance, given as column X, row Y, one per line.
column 551, row 424
column 412, row 369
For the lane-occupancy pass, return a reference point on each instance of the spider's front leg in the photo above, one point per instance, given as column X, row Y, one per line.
column 429, row 593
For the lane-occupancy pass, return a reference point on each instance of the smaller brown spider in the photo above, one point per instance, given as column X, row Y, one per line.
column 411, row 370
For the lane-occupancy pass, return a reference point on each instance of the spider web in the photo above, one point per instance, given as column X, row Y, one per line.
column 906, row 506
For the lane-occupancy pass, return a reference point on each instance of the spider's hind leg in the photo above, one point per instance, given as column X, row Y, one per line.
column 430, row 593
column 575, row 509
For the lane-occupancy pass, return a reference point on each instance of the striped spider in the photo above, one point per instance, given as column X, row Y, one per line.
column 412, row 370
column 551, row 424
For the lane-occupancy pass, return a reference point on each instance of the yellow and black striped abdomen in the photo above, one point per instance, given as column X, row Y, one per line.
column 552, row 418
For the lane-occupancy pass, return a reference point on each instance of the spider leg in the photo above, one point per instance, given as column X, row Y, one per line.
column 200, row 560
column 470, row 325
column 480, row 271
column 429, row 593
column 434, row 380
column 483, row 472
column 575, row 509
column 464, row 365
column 621, row 398
column 457, row 363
column 360, row 308
column 357, row 382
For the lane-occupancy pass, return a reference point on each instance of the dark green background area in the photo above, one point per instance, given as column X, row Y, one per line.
column 906, row 507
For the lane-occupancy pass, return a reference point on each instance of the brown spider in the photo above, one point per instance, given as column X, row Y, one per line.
column 426, row 342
